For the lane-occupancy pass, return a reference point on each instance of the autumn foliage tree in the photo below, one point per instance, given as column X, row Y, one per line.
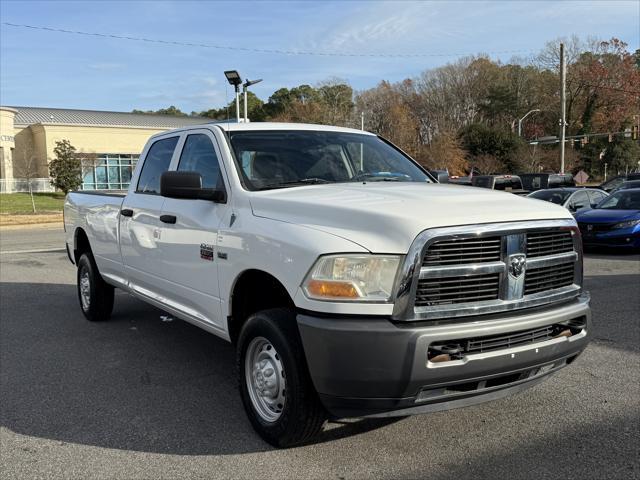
column 465, row 114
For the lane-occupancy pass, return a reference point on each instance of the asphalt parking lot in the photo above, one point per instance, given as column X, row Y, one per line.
column 139, row 397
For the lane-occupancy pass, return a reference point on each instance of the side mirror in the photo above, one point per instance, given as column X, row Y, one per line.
column 577, row 206
column 188, row 185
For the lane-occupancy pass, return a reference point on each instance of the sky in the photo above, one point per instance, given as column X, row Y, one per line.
column 52, row 69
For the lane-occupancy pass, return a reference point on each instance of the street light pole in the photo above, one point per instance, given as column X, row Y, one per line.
column 245, row 87
column 563, row 106
column 525, row 116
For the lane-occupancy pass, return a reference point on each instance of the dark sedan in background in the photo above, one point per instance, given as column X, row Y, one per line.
column 615, row 222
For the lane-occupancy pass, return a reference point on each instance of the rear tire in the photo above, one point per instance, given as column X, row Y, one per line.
column 275, row 386
column 94, row 294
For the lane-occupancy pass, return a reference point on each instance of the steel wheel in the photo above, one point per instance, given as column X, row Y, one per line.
column 85, row 289
column 265, row 378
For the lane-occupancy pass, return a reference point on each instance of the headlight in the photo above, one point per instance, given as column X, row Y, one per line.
column 628, row 224
column 352, row 278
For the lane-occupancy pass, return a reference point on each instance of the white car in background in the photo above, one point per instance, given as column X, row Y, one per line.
column 571, row 198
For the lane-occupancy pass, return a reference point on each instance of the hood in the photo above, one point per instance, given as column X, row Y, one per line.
column 604, row 215
column 385, row 217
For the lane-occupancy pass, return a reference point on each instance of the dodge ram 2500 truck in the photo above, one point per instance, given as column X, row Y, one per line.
column 351, row 283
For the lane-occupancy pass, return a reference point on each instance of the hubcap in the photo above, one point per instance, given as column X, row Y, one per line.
column 85, row 289
column 264, row 375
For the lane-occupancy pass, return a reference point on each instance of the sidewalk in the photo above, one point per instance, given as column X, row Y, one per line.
column 12, row 221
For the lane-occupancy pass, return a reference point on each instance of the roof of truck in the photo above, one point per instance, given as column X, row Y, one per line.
column 258, row 126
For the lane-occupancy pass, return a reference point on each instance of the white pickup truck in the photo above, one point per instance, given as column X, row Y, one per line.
column 352, row 283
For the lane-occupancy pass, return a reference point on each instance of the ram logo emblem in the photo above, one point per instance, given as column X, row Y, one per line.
column 516, row 264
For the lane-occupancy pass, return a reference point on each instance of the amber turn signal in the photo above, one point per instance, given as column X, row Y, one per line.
column 331, row 289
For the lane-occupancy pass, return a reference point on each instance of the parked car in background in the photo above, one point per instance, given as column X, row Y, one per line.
column 615, row 182
column 466, row 180
column 510, row 183
column 628, row 184
column 615, row 222
column 441, row 175
column 572, row 198
column 539, row 181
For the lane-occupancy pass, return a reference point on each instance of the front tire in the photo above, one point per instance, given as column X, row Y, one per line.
column 94, row 294
column 275, row 386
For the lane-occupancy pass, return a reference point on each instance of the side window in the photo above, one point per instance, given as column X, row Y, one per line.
column 596, row 197
column 198, row 155
column 579, row 200
column 155, row 164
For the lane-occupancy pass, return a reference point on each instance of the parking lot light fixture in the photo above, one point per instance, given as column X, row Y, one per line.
column 233, row 77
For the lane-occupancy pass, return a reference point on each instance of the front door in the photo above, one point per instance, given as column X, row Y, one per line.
column 189, row 231
column 140, row 222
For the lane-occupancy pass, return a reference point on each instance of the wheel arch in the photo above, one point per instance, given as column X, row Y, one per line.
column 254, row 290
column 81, row 243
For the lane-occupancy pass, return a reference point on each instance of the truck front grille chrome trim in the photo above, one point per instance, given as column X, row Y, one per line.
column 424, row 290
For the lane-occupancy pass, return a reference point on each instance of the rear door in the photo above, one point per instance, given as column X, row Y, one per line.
column 140, row 221
column 578, row 200
column 189, row 233
column 595, row 197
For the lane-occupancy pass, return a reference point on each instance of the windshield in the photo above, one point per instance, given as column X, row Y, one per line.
column 554, row 196
column 278, row 159
column 621, row 200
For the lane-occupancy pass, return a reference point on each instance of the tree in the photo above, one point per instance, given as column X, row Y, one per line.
column 445, row 153
column 65, row 170
column 172, row 110
column 28, row 169
column 255, row 110
column 481, row 140
column 622, row 155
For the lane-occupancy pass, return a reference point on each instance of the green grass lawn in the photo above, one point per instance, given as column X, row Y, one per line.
column 20, row 203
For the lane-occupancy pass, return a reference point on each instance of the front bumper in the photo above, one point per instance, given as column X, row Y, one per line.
column 624, row 238
column 373, row 367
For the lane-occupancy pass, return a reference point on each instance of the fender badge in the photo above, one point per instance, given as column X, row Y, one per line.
column 206, row 252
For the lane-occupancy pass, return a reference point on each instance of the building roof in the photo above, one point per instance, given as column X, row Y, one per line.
column 66, row 116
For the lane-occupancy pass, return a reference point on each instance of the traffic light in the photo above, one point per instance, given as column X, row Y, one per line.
column 634, row 132
column 610, row 137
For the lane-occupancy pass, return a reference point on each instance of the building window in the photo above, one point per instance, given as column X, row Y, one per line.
column 108, row 171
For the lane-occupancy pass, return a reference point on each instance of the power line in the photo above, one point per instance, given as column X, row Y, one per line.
column 257, row 50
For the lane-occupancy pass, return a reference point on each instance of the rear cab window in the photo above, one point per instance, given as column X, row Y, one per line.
column 155, row 164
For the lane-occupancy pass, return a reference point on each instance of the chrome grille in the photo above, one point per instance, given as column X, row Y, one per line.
column 490, row 268
column 547, row 278
column 446, row 291
column 463, row 251
column 551, row 242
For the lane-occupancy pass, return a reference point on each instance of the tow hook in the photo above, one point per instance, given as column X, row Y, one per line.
column 445, row 353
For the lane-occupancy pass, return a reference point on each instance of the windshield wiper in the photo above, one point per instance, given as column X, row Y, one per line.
column 301, row 181
column 380, row 176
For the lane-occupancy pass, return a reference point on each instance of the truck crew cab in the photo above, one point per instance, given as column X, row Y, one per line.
column 351, row 283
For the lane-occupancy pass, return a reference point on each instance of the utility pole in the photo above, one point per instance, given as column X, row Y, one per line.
column 563, row 108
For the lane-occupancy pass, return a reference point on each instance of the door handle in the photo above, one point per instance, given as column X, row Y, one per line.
column 168, row 218
column 126, row 212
